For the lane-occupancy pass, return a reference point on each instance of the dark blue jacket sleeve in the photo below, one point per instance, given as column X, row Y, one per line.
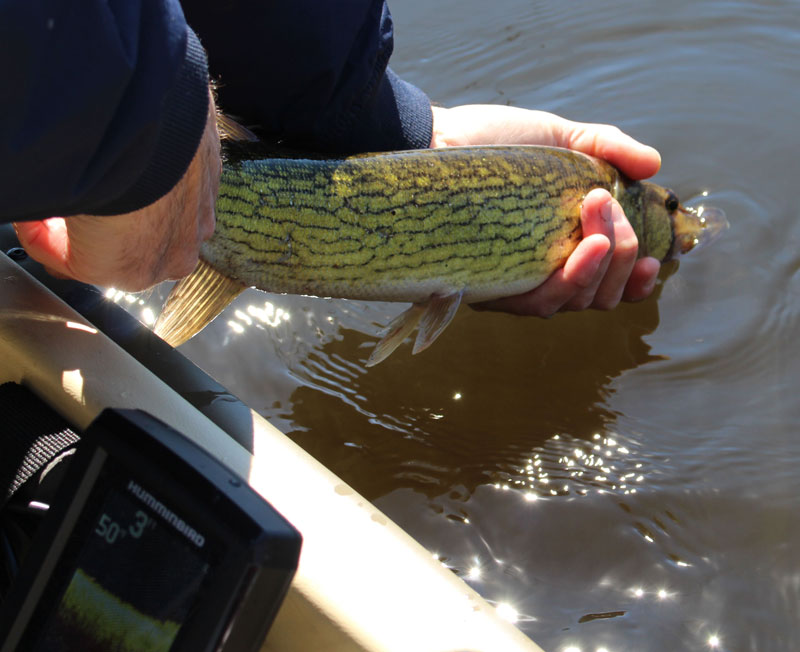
column 102, row 104
column 312, row 72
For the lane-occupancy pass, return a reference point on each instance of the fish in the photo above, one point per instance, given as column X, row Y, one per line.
column 432, row 227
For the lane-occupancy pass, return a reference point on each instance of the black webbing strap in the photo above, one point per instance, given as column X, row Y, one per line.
column 31, row 434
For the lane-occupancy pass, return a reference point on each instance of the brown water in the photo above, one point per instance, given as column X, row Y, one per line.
column 626, row 480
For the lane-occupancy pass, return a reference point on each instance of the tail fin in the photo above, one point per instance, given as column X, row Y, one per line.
column 194, row 302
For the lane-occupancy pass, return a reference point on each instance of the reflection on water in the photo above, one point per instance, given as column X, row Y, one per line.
column 616, row 481
column 565, row 465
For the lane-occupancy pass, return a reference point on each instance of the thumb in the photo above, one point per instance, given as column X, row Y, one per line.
column 47, row 242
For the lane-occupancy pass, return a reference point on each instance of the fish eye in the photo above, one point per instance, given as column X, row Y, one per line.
column 671, row 202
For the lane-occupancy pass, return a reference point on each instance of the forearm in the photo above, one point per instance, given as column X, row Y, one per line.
column 105, row 104
column 312, row 74
column 135, row 250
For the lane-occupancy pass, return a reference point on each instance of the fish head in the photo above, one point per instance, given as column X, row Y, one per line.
column 666, row 228
column 693, row 228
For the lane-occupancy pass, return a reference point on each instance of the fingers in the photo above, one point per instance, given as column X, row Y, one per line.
column 572, row 287
column 634, row 159
column 608, row 291
column 619, row 274
column 603, row 269
column 642, row 279
column 601, row 272
column 598, row 217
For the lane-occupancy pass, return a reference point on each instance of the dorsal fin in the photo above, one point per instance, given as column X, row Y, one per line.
column 230, row 129
column 194, row 302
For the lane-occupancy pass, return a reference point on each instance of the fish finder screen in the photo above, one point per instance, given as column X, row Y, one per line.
column 135, row 580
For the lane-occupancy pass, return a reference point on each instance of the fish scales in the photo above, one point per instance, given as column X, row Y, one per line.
column 402, row 225
column 431, row 227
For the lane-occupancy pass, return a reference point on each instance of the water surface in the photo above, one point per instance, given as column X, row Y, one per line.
column 625, row 480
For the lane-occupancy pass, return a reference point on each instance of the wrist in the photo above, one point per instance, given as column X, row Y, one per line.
column 437, row 135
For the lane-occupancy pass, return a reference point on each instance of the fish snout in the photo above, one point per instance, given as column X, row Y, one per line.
column 696, row 227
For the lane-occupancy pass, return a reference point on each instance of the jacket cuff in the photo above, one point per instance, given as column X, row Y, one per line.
column 179, row 133
column 399, row 118
column 414, row 113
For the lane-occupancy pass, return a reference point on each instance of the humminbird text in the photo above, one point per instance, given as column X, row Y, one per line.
column 167, row 514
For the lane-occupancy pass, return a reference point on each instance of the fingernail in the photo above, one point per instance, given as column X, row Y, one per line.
column 612, row 212
column 607, row 211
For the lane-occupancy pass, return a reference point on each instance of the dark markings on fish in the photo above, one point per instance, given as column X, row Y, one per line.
column 475, row 220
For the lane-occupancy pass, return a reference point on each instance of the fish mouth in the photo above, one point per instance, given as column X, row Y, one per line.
column 695, row 228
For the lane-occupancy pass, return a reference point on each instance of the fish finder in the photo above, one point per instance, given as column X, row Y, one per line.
column 152, row 544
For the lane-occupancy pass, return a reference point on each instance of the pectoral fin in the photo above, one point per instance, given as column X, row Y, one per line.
column 439, row 312
column 399, row 330
column 194, row 302
column 432, row 316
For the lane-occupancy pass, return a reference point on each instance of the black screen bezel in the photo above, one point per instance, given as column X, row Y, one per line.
column 234, row 541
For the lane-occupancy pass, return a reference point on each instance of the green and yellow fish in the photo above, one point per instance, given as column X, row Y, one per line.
column 434, row 227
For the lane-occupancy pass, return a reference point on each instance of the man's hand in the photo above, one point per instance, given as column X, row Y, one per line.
column 603, row 269
column 136, row 250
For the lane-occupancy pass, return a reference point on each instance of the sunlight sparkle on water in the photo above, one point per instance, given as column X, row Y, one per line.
column 236, row 327
column 243, row 317
column 575, row 648
column 270, row 314
column 147, row 316
column 507, row 612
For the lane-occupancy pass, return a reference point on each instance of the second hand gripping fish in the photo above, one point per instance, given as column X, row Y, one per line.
column 434, row 227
